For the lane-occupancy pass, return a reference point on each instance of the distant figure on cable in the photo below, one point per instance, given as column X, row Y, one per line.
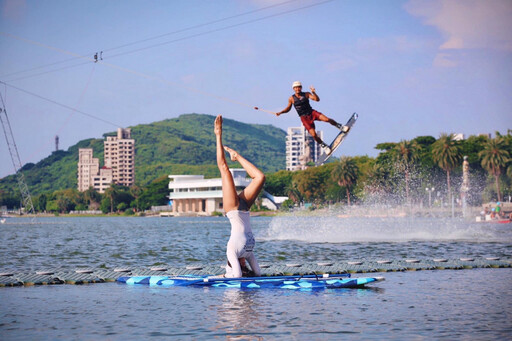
column 241, row 242
column 308, row 115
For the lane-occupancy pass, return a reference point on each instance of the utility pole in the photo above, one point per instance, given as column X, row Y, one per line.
column 15, row 157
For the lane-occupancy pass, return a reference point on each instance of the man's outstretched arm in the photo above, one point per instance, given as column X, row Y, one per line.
column 287, row 109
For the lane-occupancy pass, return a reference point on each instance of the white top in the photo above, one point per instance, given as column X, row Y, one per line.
column 241, row 244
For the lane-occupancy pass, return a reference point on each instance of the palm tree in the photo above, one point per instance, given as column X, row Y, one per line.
column 378, row 178
column 136, row 191
column 345, row 173
column 92, row 197
column 292, row 190
column 406, row 152
column 111, row 193
column 446, row 153
column 495, row 157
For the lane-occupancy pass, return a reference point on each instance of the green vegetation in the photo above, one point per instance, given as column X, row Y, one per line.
column 402, row 171
column 446, row 152
column 345, row 174
column 185, row 145
column 405, row 154
column 495, row 158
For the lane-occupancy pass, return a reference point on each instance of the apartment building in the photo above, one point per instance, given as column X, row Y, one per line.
column 90, row 174
column 119, row 154
column 301, row 148
column 87, row 167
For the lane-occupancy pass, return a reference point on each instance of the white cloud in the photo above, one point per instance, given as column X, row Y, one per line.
column 468, row 24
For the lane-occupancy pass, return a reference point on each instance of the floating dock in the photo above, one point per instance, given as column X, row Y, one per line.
column 100, row 275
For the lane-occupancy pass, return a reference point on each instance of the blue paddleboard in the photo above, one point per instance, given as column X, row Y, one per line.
column 328, row 281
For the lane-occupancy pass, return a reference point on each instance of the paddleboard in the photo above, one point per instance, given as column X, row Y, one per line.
column 327, row 281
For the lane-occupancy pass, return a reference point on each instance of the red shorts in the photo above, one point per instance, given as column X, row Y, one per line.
column 309, row 120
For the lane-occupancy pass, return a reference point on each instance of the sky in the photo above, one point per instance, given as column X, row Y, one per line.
column 408, row 67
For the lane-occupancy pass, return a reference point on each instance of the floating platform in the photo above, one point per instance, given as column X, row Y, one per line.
column 100, row 275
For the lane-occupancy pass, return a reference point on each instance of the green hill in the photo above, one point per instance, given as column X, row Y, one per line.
column 183, row 145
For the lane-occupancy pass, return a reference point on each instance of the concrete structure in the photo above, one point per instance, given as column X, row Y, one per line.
column 459, row 137
column 120, row 157
column 301, row 148
column 119, row 153
column 103, row 180
column 195, row 194
column 88, row 166
column 90, row 174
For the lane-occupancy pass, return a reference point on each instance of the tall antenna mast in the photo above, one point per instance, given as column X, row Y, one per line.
column 56, row 142
column 15, row 157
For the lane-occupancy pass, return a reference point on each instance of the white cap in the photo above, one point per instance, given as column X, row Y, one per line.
column 296, row 83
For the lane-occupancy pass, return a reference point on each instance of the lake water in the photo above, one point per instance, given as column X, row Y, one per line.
column 449, row 304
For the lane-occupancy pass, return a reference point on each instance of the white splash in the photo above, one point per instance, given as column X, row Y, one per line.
column 335, row 229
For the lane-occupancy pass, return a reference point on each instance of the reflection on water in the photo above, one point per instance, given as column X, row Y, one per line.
column 462, row 304
column 238, row 313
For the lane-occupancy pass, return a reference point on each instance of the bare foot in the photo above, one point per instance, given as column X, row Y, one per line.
column 233, row 154
column 218, row 125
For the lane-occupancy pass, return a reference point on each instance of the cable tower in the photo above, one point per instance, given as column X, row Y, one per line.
column 15, row 157
column 56, row 143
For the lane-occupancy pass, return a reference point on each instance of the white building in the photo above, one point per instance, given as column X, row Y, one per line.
column 193, row 194
column 301, row 148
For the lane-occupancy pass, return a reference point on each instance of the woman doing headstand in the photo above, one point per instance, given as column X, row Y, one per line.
column 241, row 242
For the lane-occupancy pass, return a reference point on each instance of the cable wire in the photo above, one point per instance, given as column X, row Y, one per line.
column 89, row 59
column 150, row 38
column 62, row 105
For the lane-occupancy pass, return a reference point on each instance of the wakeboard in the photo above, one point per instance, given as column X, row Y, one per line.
column 308, row 282
column 338, row 140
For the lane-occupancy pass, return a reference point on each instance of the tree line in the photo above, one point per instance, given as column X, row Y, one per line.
column 405, row 172
column 400, row 174
column 116, row 199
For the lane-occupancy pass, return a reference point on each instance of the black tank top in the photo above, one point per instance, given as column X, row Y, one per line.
column 302, row 105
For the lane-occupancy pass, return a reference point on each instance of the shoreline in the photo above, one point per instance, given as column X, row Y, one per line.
column 344, row 213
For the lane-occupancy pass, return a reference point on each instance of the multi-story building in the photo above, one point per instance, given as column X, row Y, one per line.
column 87, row 167
column 90, row 174
column 103, row 180
column 195, row 195
column 301, row 148
column 120, row 157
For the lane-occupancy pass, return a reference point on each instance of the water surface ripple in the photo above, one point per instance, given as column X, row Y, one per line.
column 114, row 242
column 452, row 304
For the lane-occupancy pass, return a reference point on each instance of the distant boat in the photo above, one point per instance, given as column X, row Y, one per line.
column 494, row 221
column 501, row 221
column 2, row 220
